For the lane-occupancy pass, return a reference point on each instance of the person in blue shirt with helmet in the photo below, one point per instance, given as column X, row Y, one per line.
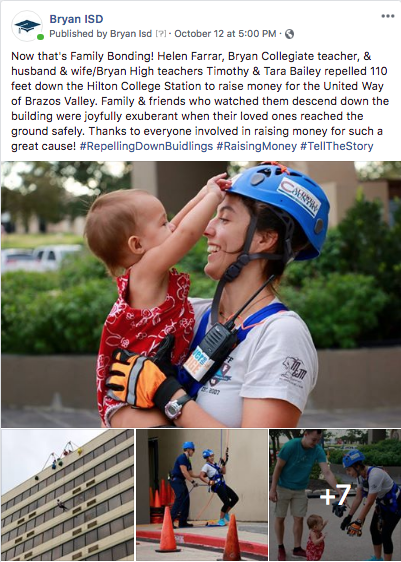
column 181, row 472
column 374, row 484
column 270, row 216
column 213, row 475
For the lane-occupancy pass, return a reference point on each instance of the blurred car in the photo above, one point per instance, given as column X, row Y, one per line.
column 16, row 259
column 49, row 258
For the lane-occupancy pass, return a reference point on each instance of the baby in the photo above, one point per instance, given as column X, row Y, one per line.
column 129, row 231
column 315, row 545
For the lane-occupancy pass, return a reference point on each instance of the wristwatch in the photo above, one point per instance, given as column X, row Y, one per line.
column 173, row 409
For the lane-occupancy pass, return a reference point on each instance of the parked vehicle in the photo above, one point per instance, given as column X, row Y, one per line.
column 13, row 259
column 49, row 258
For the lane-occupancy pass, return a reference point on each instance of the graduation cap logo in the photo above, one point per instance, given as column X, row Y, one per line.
column 27, row 26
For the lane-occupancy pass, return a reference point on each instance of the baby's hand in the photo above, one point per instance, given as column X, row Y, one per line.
column 218, row 184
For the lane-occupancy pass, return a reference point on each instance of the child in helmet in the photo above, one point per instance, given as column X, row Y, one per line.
column 213, row 475
column 315, row 544
column 129, row 231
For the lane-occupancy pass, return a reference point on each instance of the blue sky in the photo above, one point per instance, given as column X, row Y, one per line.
column 25, row 451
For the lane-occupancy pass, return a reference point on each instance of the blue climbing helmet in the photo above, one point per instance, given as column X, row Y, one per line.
column 206, row 453
column 352, row 457
column 292, row 192
column 188, row 445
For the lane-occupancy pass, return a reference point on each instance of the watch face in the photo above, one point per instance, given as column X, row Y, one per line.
column 172, row 410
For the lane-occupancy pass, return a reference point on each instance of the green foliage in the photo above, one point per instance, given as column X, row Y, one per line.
column 315, row 472
column 32, row 241
column 194, row 263
column 20, row 294
column 351, row 294
column 335, row 307
column 78, row 315
column 384, row 453
column 364, row 249
column 78, row 267
column 55, row 312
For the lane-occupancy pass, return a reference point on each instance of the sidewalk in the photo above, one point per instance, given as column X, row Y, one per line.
column 252, row 537
column 339, row 546
column 47, row 417
column 69, row 417
column 379, row 417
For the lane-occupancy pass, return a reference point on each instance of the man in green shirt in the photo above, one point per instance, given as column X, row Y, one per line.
column 290, row 479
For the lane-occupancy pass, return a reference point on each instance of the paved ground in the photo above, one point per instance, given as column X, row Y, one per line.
column 380, row 417
column 208, row 537
column 66, row 417
column 46, row 417
column 339, row 546
column 147, row 551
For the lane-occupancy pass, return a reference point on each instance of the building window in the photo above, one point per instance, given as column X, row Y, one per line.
column 115, row 502
column 112, row 481
column 106, row 554
column 117, row 525
column 129, row 520
column 119, row 551
column 128, row 495
column 68, row 547
column 79, row 542
column 104, row 531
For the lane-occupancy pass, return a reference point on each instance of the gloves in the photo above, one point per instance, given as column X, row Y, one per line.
column 138, row 381
column 339, row 509
column 355, row 529
column 346, row 522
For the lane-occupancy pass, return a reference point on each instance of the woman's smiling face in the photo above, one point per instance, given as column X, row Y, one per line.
column 225, row 234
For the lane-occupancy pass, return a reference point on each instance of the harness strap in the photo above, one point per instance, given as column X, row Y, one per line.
column 389, row 501
column 192, row 386
column 246, row 326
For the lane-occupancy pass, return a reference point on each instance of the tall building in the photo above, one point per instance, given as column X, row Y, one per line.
column 96, row 485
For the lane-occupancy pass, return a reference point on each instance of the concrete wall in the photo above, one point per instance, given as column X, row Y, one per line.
column 45, row 380
column 175, row 183
column 142, row 477
column 247, row 469
column 355, row 379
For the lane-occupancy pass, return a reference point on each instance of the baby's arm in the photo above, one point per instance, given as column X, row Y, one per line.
column 188, row 207
column 190, row 228
column 223, row 184
column 315, row 539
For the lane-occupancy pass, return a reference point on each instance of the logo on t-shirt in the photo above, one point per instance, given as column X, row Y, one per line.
column 294, row 369
column 221, row 375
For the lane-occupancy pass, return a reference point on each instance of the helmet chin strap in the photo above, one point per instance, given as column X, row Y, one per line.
column 233, row 270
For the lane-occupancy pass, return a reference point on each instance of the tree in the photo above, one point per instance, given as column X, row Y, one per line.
column 275, row 435
column 378, row 170
column 97, row 177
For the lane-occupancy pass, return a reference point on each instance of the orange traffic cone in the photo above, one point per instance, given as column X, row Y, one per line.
column 163, row 495
column 157, row 500
column 231, row 548
column 151, row 500
column 167, row 538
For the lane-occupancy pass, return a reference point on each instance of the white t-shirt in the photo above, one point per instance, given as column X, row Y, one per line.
column 379, row 482
column 277, row 360
column 209, row 470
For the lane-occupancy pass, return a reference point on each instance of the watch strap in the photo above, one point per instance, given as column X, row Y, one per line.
column 165, row 392
column 184, row 399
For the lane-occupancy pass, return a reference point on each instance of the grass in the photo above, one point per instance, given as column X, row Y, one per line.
column 34, row 240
